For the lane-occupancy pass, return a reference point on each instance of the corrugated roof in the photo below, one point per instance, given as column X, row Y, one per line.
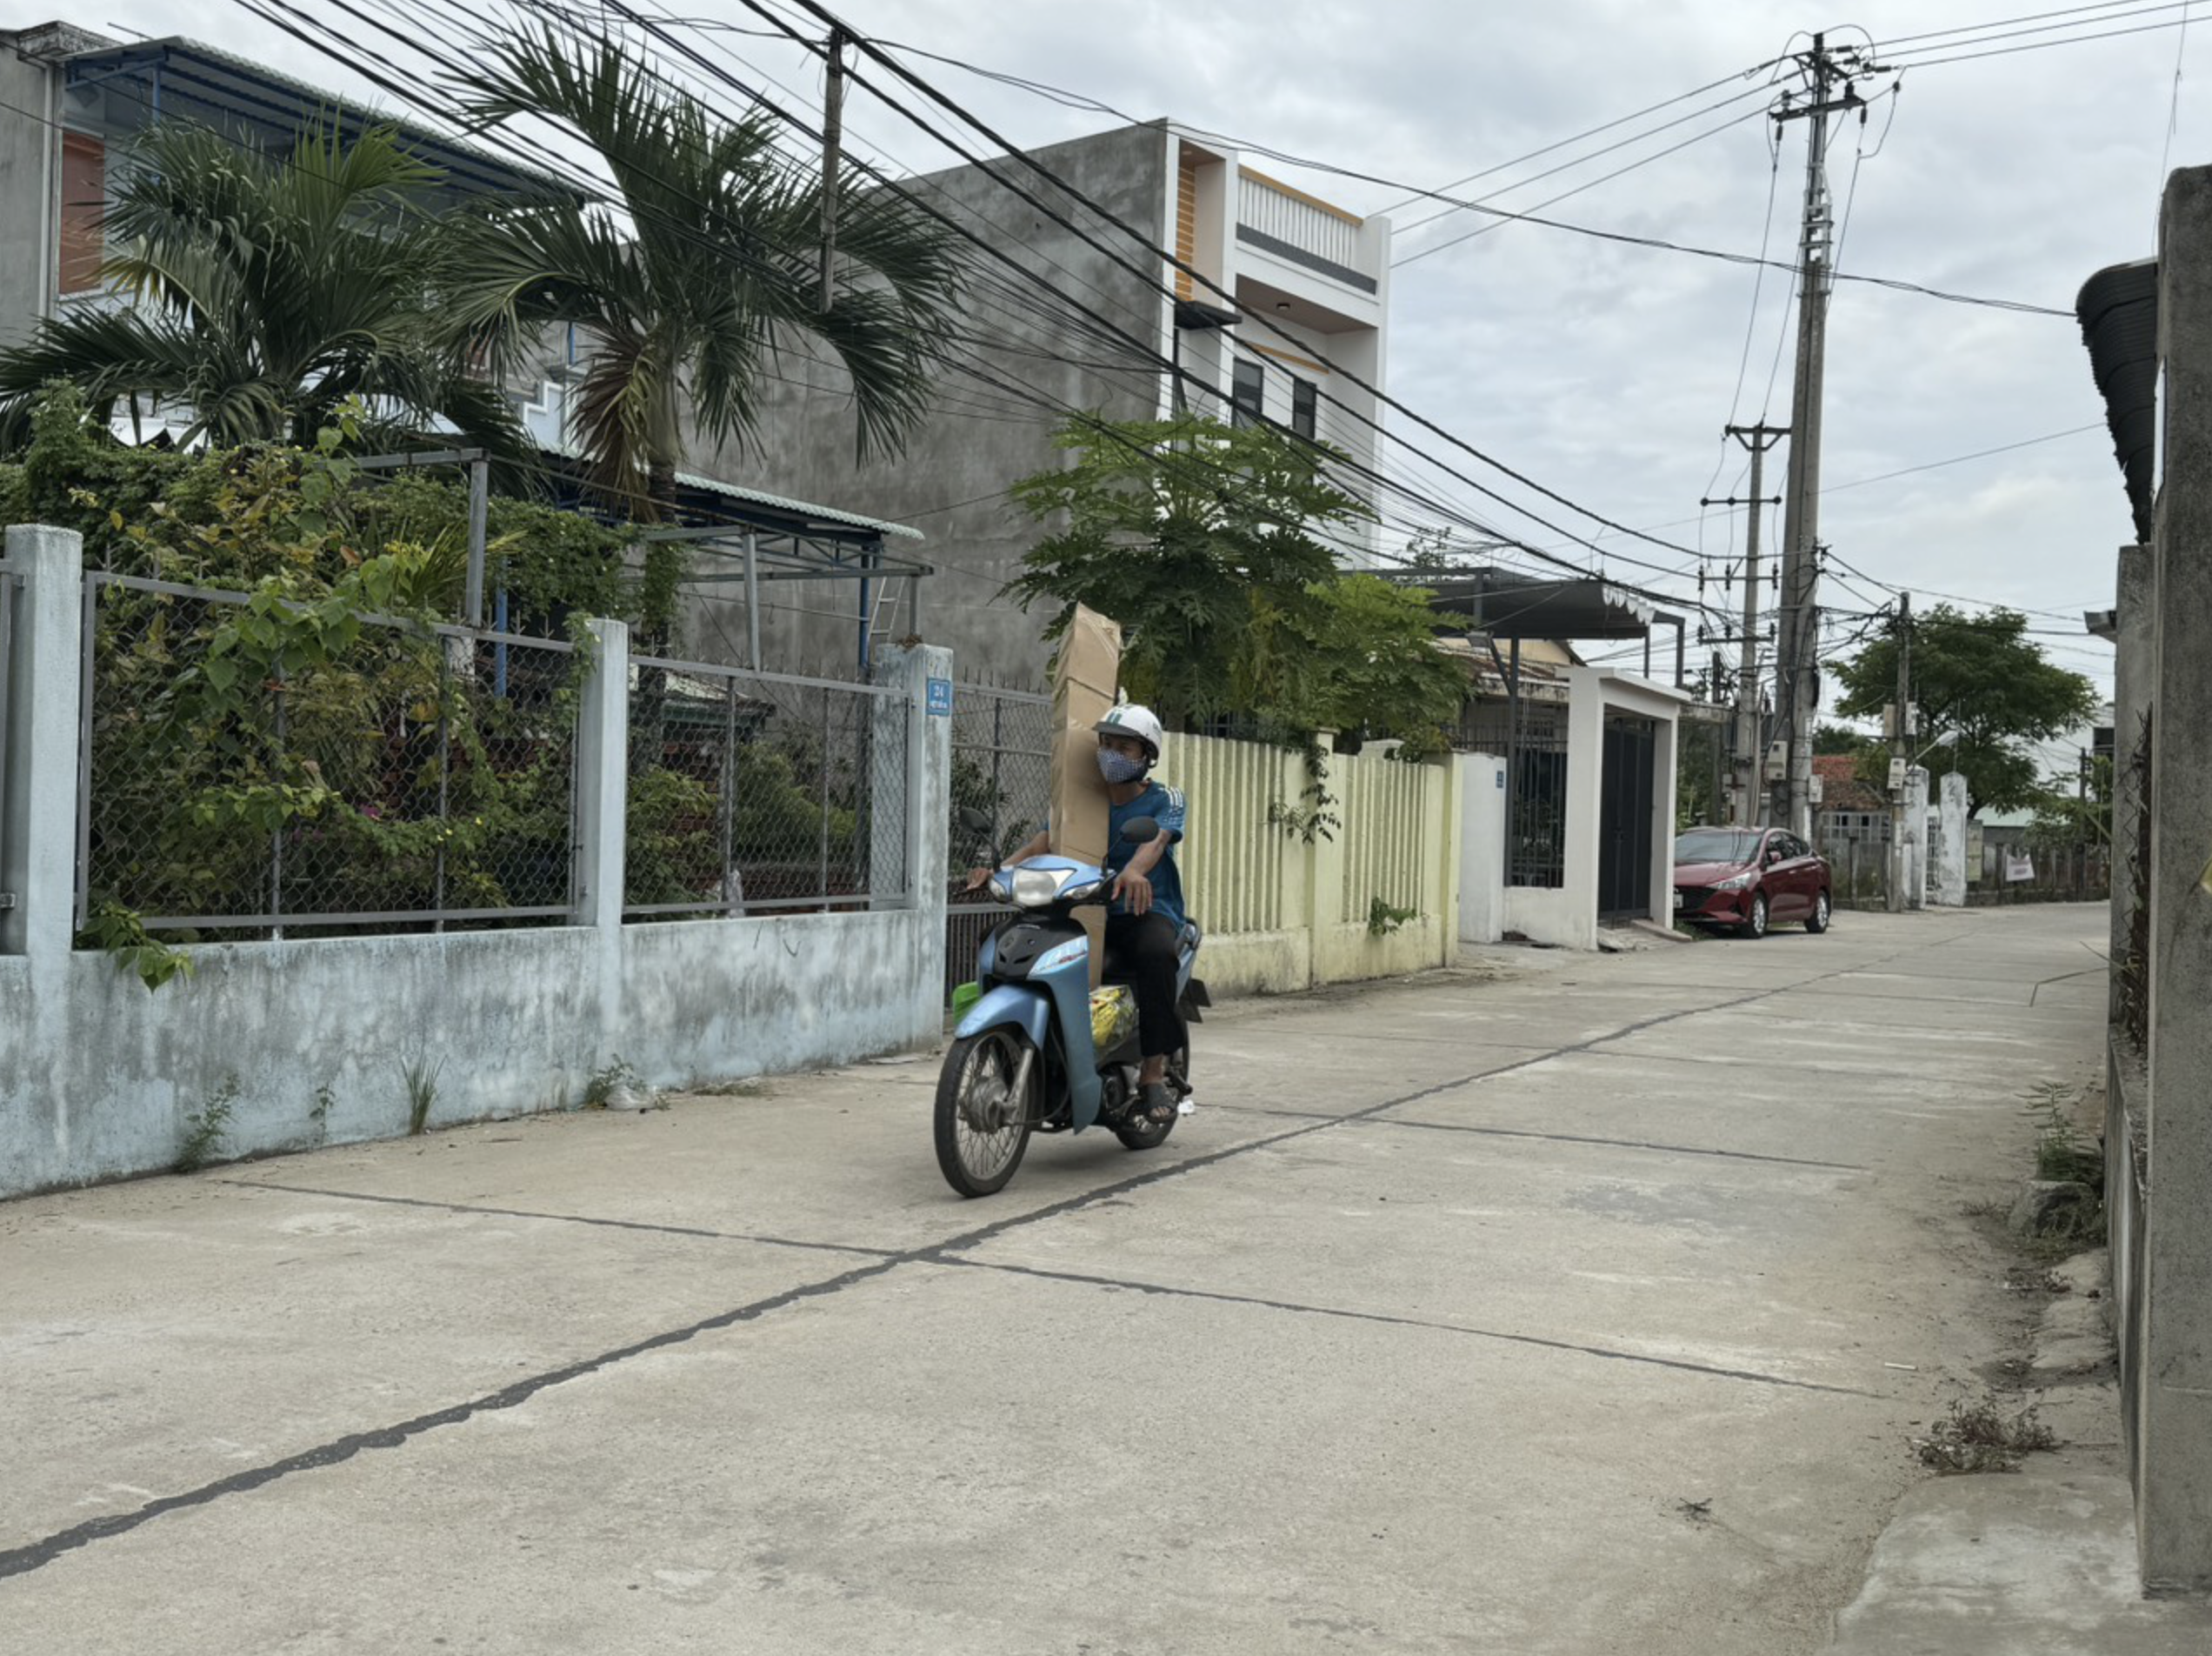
column 798, row 508
column 784, row 504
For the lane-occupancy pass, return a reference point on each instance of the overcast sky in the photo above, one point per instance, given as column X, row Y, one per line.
column 1606, row 372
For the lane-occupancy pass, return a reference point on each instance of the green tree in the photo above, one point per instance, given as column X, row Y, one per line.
column 686, row 300
column 1981, row 676
column 271, row 290
column 1830, row 740
column 1358, row 656
column 1186, row 531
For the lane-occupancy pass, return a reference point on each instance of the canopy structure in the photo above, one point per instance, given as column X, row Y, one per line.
column 1506, row 604
column 758, row 537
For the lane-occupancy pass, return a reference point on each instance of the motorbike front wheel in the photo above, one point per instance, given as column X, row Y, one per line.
column 986, row 1105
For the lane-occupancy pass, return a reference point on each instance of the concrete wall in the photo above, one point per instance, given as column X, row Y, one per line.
column 1567, row 917
column 1283, row 912
column 1482, row 848
column 1947, row 888
column 2173, row 1485
column 98, row 1075
column 951, row 482
column 1913, row 851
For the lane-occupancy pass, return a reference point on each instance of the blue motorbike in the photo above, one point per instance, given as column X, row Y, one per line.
column 1041, row 1051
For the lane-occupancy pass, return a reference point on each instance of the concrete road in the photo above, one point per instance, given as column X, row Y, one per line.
column 1566, row 1304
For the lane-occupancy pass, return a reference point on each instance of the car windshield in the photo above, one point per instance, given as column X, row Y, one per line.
column 1715, row 845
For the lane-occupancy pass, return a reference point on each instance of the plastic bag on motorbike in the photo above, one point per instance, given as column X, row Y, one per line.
column 1113, row 1018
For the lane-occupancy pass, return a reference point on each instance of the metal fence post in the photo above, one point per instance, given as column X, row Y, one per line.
column 276, row 834
column 729, row 796
column 444, row 810
column 825, row 792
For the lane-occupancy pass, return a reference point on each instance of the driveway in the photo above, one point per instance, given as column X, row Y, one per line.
column 1562, row 1303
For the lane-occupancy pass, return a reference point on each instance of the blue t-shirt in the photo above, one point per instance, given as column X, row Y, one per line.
column 1165, row 806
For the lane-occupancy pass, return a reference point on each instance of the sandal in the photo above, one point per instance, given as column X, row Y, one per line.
column 1155, row 1104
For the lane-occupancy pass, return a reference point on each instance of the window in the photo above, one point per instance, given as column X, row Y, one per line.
column 1305, row 397
column 85, row 187
column 1250, row 395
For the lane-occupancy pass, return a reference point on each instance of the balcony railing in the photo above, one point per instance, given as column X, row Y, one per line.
column 1295, row 226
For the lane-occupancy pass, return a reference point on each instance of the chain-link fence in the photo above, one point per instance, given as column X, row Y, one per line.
column 752, row 792
column 1002, row 771
column 255, row 766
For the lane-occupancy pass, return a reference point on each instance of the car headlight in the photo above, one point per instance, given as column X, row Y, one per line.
column 1034, row 888
column 1738, row 882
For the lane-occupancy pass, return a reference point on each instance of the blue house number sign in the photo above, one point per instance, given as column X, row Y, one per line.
column 941, row 697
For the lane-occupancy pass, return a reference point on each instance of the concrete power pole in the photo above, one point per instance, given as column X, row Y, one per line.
column 1830, row 89
column 1901, row 740
column 1750, row 752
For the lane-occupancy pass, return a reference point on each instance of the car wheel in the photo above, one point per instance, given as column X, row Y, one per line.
column 1755, row 923
column 1816, row 922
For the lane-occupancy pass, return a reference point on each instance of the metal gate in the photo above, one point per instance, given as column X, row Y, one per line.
column 1624, row 821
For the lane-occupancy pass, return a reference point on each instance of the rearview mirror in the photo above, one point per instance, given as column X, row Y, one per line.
column 1141, row 831
column 974, row 820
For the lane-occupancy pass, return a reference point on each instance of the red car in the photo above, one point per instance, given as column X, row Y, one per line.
column 1748, row 879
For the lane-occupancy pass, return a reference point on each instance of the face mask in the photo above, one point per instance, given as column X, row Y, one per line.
column 1118, row 767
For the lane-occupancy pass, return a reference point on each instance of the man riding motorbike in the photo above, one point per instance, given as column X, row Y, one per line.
column 1147, row 916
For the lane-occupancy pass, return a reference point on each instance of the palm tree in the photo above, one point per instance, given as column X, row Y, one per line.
column 686, row 299
column 270, row 290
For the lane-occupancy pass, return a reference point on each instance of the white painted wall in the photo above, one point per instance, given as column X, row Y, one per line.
column 98, row 1075
column 1567, row 918
column 1950, row 869
column 1480, row 780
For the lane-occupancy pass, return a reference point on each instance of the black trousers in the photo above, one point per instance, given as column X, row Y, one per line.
column 1141, row 952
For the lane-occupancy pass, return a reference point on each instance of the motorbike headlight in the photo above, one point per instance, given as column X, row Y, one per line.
column 1087, row 889
column 1035, row 887
column 998, row 888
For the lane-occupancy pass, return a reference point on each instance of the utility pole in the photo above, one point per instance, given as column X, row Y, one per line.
column 833, row 111
column 1831, row 89
column 1900, row 738
column 1720, row 792
column 1750, row 757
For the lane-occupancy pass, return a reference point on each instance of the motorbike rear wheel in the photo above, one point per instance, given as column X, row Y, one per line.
column 983, row 1118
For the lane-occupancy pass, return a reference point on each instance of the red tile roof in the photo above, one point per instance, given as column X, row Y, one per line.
column 1841, row 789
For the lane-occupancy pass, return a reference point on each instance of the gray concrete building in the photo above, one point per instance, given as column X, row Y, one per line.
column 1288, row 311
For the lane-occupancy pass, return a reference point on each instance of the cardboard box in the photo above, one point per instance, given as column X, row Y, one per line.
column 1083, row 683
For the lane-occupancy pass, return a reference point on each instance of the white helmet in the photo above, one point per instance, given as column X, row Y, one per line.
column 1129, row 719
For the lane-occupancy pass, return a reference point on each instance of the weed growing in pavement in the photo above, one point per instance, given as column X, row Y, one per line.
column 1980, row 1437
column 204, row 1127
column 2063, row 1152
column 600, row 1085
column 421, row 1078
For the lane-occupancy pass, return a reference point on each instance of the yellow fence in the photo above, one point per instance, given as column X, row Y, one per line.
column 1372, row 894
